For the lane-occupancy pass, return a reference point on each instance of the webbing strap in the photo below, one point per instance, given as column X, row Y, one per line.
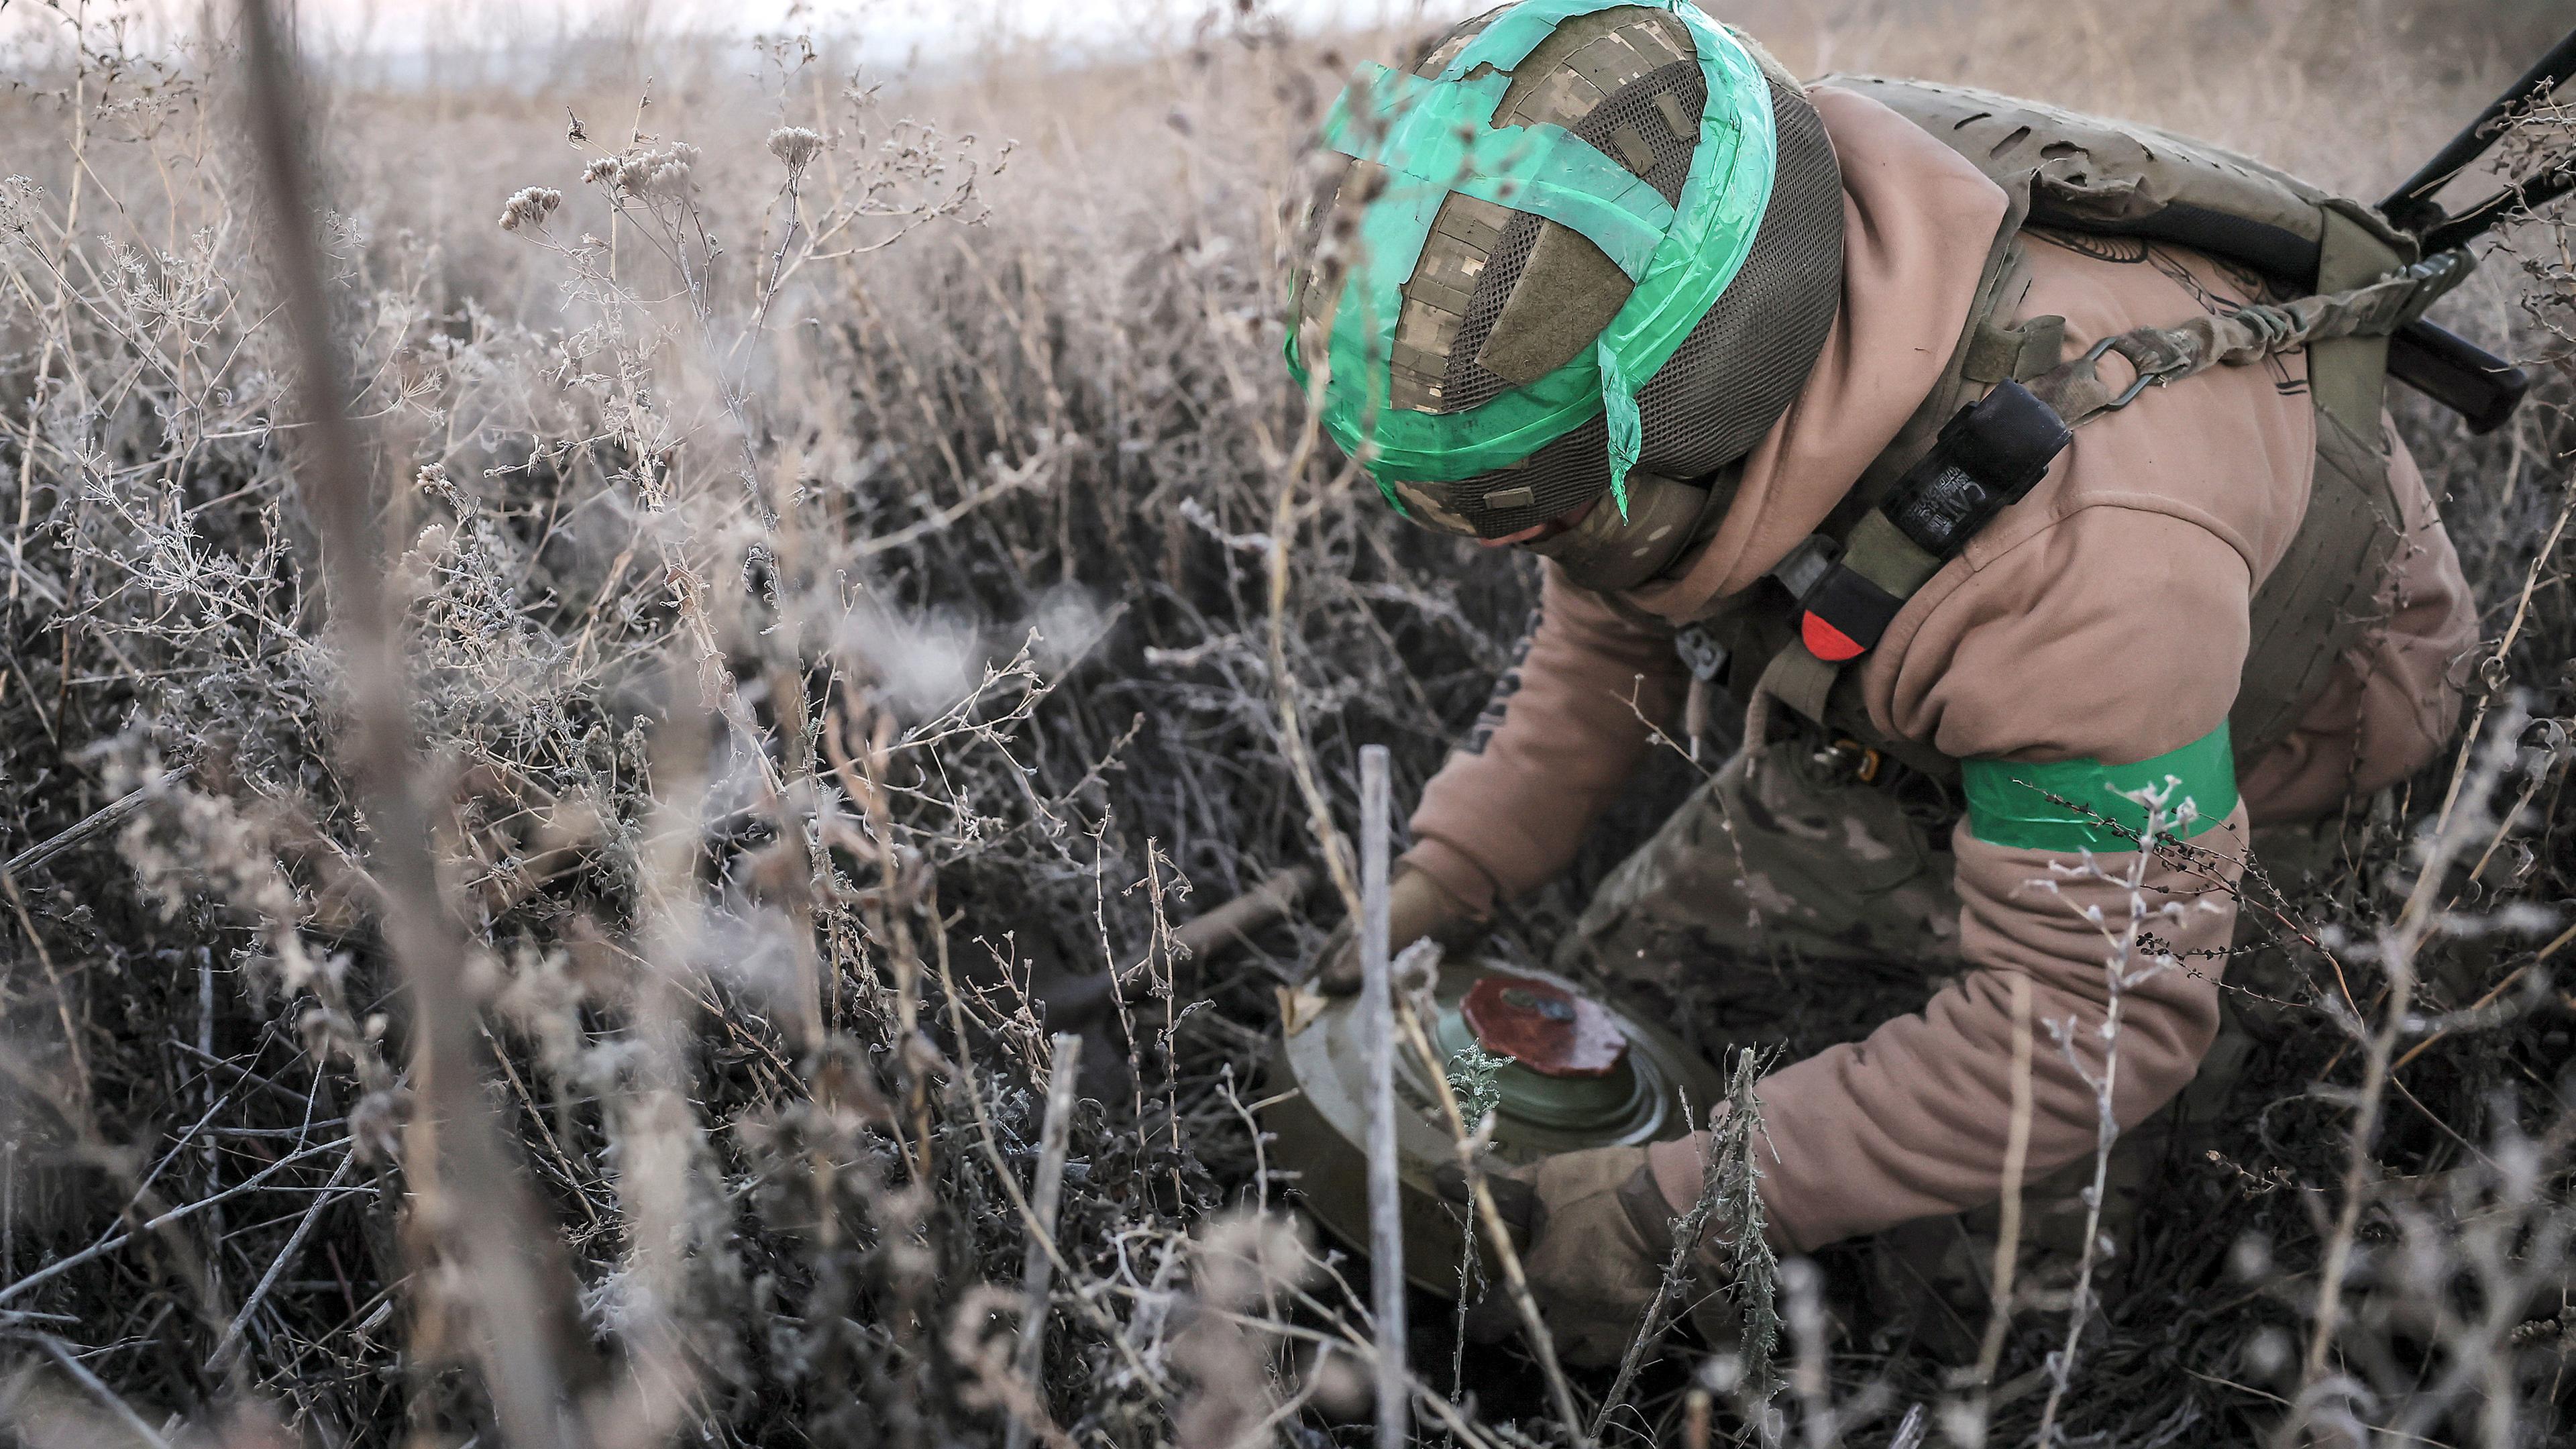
column 2162, row 355
column 2021, row 353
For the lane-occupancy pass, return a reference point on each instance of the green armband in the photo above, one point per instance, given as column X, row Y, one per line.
column 2010, row 804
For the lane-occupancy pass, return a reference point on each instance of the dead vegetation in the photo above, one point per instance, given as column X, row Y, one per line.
column 858, row 584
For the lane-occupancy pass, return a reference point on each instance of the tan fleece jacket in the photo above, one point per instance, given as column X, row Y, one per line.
column 2103, row 616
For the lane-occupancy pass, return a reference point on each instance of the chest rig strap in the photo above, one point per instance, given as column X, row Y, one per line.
column 1987, row 457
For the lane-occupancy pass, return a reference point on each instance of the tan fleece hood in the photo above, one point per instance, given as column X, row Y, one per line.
column 1918, row 221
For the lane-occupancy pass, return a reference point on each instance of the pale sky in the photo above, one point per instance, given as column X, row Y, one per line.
column 891, row 28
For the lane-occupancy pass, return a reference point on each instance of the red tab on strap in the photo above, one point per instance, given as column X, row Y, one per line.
column 1826, row 642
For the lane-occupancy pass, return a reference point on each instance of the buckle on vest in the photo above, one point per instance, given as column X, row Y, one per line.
column 1865, row 762
column 1806, row 564
column 1700, row 652
column 2153, row 370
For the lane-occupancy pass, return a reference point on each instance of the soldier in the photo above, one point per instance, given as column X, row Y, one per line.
column 2002, row 464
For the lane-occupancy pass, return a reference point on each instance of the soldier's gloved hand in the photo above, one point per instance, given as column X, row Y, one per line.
column 1593, row 1231
column 1416, row 906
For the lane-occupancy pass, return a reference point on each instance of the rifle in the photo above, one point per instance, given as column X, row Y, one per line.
column 2482, row 388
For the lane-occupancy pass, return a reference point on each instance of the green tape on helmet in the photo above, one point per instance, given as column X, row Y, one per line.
column 2016, row 805
column 1436, row 135
column 1627, row 431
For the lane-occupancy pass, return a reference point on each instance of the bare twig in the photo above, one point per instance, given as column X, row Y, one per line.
column 1990, row 1352
column 277, row 1266
column 1687, row 1229
column 1037, row 1272
column 158, row 1221
column 1506, row 1254
column 2447, row 836
column 97, row 823
column 1377, row 1015
column 114, row 1402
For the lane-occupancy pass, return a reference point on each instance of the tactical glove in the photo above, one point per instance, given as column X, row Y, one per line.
column 1593, row 1231
column 1416, row 906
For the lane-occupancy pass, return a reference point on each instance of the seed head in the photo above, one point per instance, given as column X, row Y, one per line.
column 795, row 145
column 601, row 168
column 18, row 197
column 529, row 206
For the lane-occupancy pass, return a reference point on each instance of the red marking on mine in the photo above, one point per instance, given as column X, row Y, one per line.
column 1543, row 1027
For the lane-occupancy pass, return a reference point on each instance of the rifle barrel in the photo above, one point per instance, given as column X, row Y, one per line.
column 2486, row 211
column 2411, row 205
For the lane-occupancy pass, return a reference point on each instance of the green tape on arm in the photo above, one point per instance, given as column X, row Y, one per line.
column 2009, row 801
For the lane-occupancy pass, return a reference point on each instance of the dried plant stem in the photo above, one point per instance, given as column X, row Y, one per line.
column 1696, row 1407
column 1802, row 1285
column 1687, row 1229
column 117, row 1408
column 1038, row 1234
column 1037, row 1273
column 1385, row 1195
column 2556, row 944
column 277, row 1267
column 77, row 1084
column 2398, row 947
column 160, row 1221
column 508, row 1251
column 2122, row 944
column 2512, row 630
column 2361, row 1168
column 1506, row 1255
column 2016, row 1161
column 62, row 283
column 1301, row 762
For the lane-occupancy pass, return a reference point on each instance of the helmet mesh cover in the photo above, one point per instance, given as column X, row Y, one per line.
column 1736, row 372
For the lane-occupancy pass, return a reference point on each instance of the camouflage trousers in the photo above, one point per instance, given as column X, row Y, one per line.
column 1791, row 902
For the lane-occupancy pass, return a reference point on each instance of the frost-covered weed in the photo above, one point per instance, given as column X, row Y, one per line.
column 835, row 576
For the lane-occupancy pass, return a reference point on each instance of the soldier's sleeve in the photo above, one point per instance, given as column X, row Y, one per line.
column 2102, row 658
column 1562, row 733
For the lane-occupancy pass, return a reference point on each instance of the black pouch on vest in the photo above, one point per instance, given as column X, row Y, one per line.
column 1985, row 459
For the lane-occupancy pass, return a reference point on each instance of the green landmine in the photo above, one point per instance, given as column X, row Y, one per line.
column 1589, row 1071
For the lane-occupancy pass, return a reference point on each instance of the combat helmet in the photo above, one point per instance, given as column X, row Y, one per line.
column 1583, row 252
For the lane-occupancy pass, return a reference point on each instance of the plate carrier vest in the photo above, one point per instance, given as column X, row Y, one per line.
column 2355, row 279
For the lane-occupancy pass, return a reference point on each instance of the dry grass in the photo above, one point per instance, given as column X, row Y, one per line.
column 838, row 598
